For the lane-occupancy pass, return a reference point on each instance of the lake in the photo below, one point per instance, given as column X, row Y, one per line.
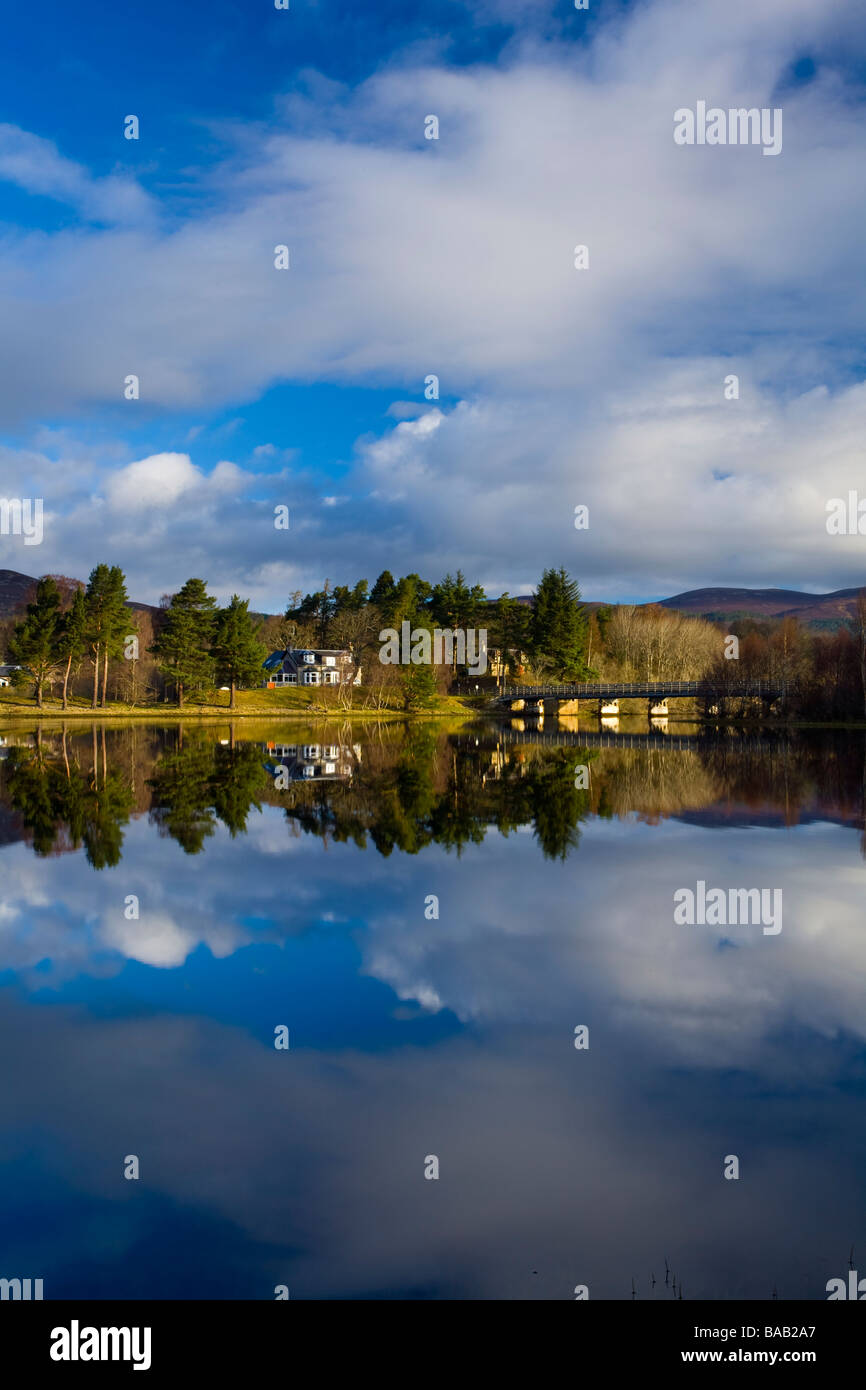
column 469, row 940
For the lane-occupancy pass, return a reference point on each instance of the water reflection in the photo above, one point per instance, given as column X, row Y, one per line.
column 413, row 1033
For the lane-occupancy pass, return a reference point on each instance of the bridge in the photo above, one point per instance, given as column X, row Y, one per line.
column 586, row 738
column 608, row 694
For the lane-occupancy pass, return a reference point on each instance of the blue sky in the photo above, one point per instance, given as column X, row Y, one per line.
column 412, row 257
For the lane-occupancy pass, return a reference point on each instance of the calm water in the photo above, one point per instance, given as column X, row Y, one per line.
column 281, row 876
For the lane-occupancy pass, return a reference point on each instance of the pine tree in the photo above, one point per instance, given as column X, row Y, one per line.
column 236, row 649
column 117, row 621
column 417, row 687
column 73, row 637
column 454, row 604
column 383, row 591
column 183, row 643
column 35, row 642
column 98, row 602
column 559, row 625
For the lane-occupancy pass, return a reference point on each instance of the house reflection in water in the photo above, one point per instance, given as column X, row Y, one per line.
column 313, row 762
column 8, row 741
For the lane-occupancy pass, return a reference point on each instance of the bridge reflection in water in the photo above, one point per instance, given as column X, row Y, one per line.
column 557, row 737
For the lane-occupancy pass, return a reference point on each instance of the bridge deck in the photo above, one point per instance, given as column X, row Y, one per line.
column 624, row 690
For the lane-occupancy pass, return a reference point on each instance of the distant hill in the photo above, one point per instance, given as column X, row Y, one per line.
column 17, row 590
column 815, row 610
column 824, row 610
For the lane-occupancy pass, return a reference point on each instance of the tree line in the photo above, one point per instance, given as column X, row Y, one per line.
column 553, row 632
column 196, row 646
column 70, row 628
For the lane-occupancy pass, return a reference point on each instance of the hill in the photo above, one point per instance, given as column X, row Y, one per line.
column 17, row 590
column 819, row 610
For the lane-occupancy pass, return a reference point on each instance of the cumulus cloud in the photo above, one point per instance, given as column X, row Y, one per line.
column 455, row 256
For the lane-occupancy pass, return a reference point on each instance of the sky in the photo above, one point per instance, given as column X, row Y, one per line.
column 307, row 387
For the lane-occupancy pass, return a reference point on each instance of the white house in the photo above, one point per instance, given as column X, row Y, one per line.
column 310, row 666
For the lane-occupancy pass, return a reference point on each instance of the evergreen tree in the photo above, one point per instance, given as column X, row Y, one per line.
column 117, row 621
column 407, row 602
column 317, row 608
column 183, row 643
column 383, row 591
column 73, row 637
column 348, row 600
column 35, row 642
column 236, row 649
column 99, row 604
column 417, row 687
column 453, row 604
column 559, row 625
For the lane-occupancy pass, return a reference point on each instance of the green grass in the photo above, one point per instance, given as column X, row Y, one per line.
column 290, row 703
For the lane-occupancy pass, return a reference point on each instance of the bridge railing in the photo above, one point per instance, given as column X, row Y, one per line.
column 590, row 690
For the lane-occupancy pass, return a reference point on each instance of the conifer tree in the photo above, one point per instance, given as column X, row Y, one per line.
column 35, row 642
column 559, row 625
column 73, row 637
column 237, row 651
column 98, row 602
column 183, row 643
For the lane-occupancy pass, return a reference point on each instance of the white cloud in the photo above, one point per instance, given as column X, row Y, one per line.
column 37, row 166
column 157, row 481
column 455, row 257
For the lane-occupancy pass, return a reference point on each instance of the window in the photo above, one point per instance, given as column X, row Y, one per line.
column 309, row 772
column 330, row 768
column 311, row 678
column 312, row 750
column 330, row 660
column 330, row 750
column 309, row 656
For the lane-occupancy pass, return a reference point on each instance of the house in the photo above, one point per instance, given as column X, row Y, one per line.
column 313, row 762
column 306, row 666
column 502, row 662
column 7, row 673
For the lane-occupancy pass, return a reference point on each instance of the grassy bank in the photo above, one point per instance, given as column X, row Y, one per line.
column 251, row 704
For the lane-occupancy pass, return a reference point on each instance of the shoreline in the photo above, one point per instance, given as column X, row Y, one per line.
column 459, row 713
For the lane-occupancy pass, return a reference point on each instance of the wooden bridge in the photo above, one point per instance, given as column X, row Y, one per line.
column 607, row 694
